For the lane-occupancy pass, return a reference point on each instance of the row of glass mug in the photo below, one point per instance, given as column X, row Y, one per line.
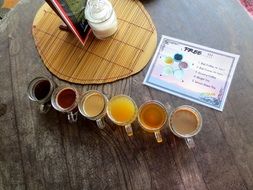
column 184, row 121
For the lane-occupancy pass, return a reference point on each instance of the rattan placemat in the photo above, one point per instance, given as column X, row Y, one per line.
column 99, row 61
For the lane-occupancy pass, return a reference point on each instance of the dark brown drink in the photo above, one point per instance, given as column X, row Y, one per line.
column 42, row 89
column 66, row 98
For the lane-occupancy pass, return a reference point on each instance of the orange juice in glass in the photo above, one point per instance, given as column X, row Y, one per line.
column 122, row 110
column 152, row 117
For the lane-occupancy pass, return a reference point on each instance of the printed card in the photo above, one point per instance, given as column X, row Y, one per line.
column 191, row 71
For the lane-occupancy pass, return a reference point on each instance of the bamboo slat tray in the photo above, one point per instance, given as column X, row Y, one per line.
column 99, row 61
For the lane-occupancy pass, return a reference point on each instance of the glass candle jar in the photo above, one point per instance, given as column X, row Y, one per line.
column 101, row 18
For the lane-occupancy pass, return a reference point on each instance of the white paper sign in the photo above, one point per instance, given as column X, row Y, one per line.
column 192, row 71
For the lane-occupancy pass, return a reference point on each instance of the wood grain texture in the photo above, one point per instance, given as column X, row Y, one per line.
column 44, row 151
column 11, row 164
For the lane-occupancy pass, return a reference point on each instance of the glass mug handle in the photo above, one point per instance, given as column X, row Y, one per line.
column 100, row 123
column 129, row 130
column 190, row 142
column 44, row 108
column 72, row 117
column 158, row 136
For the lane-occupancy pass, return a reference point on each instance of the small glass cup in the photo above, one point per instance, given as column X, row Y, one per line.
column 40, row 90
column 152, row 116
column 185, row 122
column 65, row 99
column 122, row 110
column 92, row 105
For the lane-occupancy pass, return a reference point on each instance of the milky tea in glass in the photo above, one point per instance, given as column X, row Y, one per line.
column 152, row 117
column 185, row 122
column 122, row 110
column 93, row 106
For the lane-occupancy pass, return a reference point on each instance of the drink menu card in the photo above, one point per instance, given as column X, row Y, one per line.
column 191, row 71
column 72, row 13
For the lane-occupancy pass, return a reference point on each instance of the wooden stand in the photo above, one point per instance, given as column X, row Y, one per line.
column 64, row 27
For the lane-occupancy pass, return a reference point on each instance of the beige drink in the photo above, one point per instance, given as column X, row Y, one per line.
column 184, row 121
column 94, row 104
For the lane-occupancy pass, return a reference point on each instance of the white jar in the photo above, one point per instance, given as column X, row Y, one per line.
column 101, row 18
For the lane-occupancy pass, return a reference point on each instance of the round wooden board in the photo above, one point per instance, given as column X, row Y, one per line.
column 98, row 61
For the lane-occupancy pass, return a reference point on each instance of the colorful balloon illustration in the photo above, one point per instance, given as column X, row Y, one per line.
column 183, row 65
column 179, row 74
column 169, row 60
column 178, row 57
column 168, row 70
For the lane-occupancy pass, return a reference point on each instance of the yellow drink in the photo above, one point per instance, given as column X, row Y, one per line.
column 122, row 109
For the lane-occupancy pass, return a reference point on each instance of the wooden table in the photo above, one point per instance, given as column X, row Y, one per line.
column 45, row 152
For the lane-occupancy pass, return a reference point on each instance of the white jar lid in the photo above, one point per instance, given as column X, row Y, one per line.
column 98, row 11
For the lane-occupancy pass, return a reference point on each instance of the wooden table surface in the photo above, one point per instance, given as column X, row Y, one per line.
column 46, row 152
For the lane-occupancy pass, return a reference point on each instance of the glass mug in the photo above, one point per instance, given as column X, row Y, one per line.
column 40, row 90
column 122, row 110
column 185, row 122
column 152, row 116
column 64, row 99
column 92, row 105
